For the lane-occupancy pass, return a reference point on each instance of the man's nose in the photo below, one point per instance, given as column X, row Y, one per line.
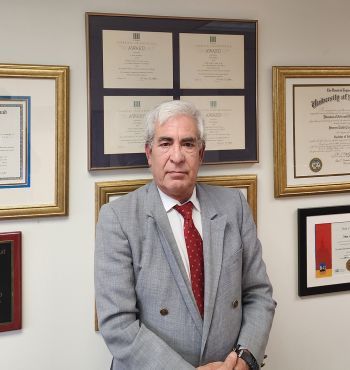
column 176, row 154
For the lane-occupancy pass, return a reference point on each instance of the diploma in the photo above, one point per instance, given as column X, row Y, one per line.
column 341, row 248
column 224, row 120
column 321, row 130
column 124, row 118
column 133, row 59
column 211, row 61
column 13, row 142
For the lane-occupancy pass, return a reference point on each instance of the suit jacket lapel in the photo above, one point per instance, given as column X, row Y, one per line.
column 213, row 240
column 155, row 209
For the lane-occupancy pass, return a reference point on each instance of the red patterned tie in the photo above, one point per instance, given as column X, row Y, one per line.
column 194, row 246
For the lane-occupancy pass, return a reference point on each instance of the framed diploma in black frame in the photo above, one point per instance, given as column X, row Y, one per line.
column 136, row 62
column 10, row 281
column 311, row 130
column 324, row 250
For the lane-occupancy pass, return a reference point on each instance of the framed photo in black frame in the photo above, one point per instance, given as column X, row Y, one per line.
column 136, row 62
column 324, row 250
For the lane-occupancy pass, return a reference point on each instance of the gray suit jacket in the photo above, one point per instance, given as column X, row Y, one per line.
column 139, row 272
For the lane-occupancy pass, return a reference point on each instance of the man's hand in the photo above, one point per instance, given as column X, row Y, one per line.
column 241, row 365
column 229, row 364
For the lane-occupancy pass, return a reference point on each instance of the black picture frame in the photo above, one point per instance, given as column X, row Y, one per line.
column 96, row 23
column 322, row 245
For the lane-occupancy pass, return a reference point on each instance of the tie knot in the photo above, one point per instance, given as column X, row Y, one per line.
column 185, row 210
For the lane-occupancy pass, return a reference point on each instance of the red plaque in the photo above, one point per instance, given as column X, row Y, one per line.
column 10, row 281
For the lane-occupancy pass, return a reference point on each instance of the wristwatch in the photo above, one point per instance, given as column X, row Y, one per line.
column 245, row 355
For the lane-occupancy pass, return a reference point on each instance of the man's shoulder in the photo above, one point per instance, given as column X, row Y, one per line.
column 132, row 197
column 218, row 191
column 222, row 199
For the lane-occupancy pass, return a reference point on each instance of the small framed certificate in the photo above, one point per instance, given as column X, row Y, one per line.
column 311, row 130
column 14, row 141
column 137, row 62
column 324, row 250
column 10, row 281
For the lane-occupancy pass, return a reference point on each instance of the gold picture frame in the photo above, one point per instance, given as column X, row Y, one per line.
column 34, row 100
column 310, row 107
column 105, row 191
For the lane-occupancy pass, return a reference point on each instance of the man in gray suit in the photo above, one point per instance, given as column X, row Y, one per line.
column 158, row 306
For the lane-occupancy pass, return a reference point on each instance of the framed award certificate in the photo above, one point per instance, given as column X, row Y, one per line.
column 324, row 250
column 10, row 281
column 311, row 130
column 137, row 62
column 33, row 140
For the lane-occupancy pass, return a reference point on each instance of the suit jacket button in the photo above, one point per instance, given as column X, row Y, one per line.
column 235, row 303
column 164, row 311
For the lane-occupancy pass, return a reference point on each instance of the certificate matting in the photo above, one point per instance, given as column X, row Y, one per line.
column 148, row 56
column 324, row 249
column 311, row 123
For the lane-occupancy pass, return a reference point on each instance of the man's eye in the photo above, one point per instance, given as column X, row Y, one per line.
column 164, row 145
column 189, row 145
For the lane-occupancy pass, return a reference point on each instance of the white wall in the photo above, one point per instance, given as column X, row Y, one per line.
column 58, row 295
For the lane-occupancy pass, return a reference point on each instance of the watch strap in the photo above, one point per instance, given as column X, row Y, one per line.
column 245, row 355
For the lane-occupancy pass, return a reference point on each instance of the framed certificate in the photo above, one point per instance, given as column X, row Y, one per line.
column 324, row 250
column 33, row 140
column 311, row 130
column 10, row 281
column 14, row 141
column 137, row 62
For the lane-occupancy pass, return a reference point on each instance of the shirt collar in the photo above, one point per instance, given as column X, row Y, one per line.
column 169, row 202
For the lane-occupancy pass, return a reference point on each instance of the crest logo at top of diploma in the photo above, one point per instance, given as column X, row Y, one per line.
column 212, row 39
column 136, row 36
column 348, row 265
column 213, row 104
column 315, row 165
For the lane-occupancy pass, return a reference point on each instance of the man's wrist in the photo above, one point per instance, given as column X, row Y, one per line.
column 247, row 356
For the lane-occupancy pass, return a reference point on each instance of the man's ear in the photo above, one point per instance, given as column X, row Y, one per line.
column 148, row 151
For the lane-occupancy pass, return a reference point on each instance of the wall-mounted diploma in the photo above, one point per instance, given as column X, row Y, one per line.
column 321, row 130
column 133, row 59
column 14, row 126
column 224, row 120
column 341, row 247
column 211, row 61
column 124, row 122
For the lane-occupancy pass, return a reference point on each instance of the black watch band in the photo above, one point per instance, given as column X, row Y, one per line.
column 247, row 357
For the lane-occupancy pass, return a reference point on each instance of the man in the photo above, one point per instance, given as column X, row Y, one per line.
column 175, row 292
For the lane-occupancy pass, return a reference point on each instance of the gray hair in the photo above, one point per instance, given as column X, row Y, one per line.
column 170, row 109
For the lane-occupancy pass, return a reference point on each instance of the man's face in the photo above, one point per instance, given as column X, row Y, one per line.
column 175, row 156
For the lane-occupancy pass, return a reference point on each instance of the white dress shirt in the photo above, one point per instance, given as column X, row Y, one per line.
column 177, row 223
